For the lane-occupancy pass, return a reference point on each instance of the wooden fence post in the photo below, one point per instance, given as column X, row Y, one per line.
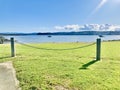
column 12, row 47
column 98, row 49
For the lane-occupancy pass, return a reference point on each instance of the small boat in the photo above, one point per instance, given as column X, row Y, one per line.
column 101, row 36
column 49, row 36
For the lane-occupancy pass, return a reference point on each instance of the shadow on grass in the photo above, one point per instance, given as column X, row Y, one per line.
column 5, row 57
column 85, row 66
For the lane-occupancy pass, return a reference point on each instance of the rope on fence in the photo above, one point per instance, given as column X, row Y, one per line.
column 55, row 49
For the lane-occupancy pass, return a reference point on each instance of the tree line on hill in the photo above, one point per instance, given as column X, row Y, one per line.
column 83, row 33
column 67, row 33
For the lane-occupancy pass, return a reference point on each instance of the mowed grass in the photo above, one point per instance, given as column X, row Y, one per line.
column 66, row 69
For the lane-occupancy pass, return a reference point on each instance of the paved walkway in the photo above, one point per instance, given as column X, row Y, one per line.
column 8, row 79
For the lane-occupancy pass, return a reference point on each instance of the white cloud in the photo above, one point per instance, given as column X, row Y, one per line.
column 59, row 27
column 72, row 27
column 68, row 27
column 88, row 27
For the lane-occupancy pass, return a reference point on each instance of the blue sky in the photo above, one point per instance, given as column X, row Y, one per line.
column 44, row 15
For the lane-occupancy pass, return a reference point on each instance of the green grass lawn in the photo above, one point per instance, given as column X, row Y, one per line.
column 65, row 70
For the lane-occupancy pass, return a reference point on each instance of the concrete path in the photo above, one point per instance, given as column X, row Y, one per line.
column 8, row 79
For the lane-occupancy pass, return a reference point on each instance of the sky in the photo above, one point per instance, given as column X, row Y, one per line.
column 46, row 15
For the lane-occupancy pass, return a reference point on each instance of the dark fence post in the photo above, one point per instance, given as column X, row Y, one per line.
column 98, row 49
column 12, row 47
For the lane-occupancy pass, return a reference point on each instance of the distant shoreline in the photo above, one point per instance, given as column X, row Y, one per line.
column 66, row 33
column 111, row 40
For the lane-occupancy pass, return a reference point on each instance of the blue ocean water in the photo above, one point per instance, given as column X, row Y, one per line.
column 61, row 38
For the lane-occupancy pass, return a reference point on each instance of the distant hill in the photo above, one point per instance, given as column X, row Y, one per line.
column 68, row 33
column 83, row 33
column 17, row 34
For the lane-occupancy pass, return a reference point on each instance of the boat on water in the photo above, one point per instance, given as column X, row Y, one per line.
column 49, row 36
column 101, row 36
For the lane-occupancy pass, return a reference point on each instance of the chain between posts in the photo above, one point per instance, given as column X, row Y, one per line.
column 98, row 47
column 56, row 49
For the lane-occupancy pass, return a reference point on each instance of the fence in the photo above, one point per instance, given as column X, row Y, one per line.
column 98, row 47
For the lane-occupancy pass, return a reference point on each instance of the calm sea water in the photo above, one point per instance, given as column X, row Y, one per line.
column 62, row 38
